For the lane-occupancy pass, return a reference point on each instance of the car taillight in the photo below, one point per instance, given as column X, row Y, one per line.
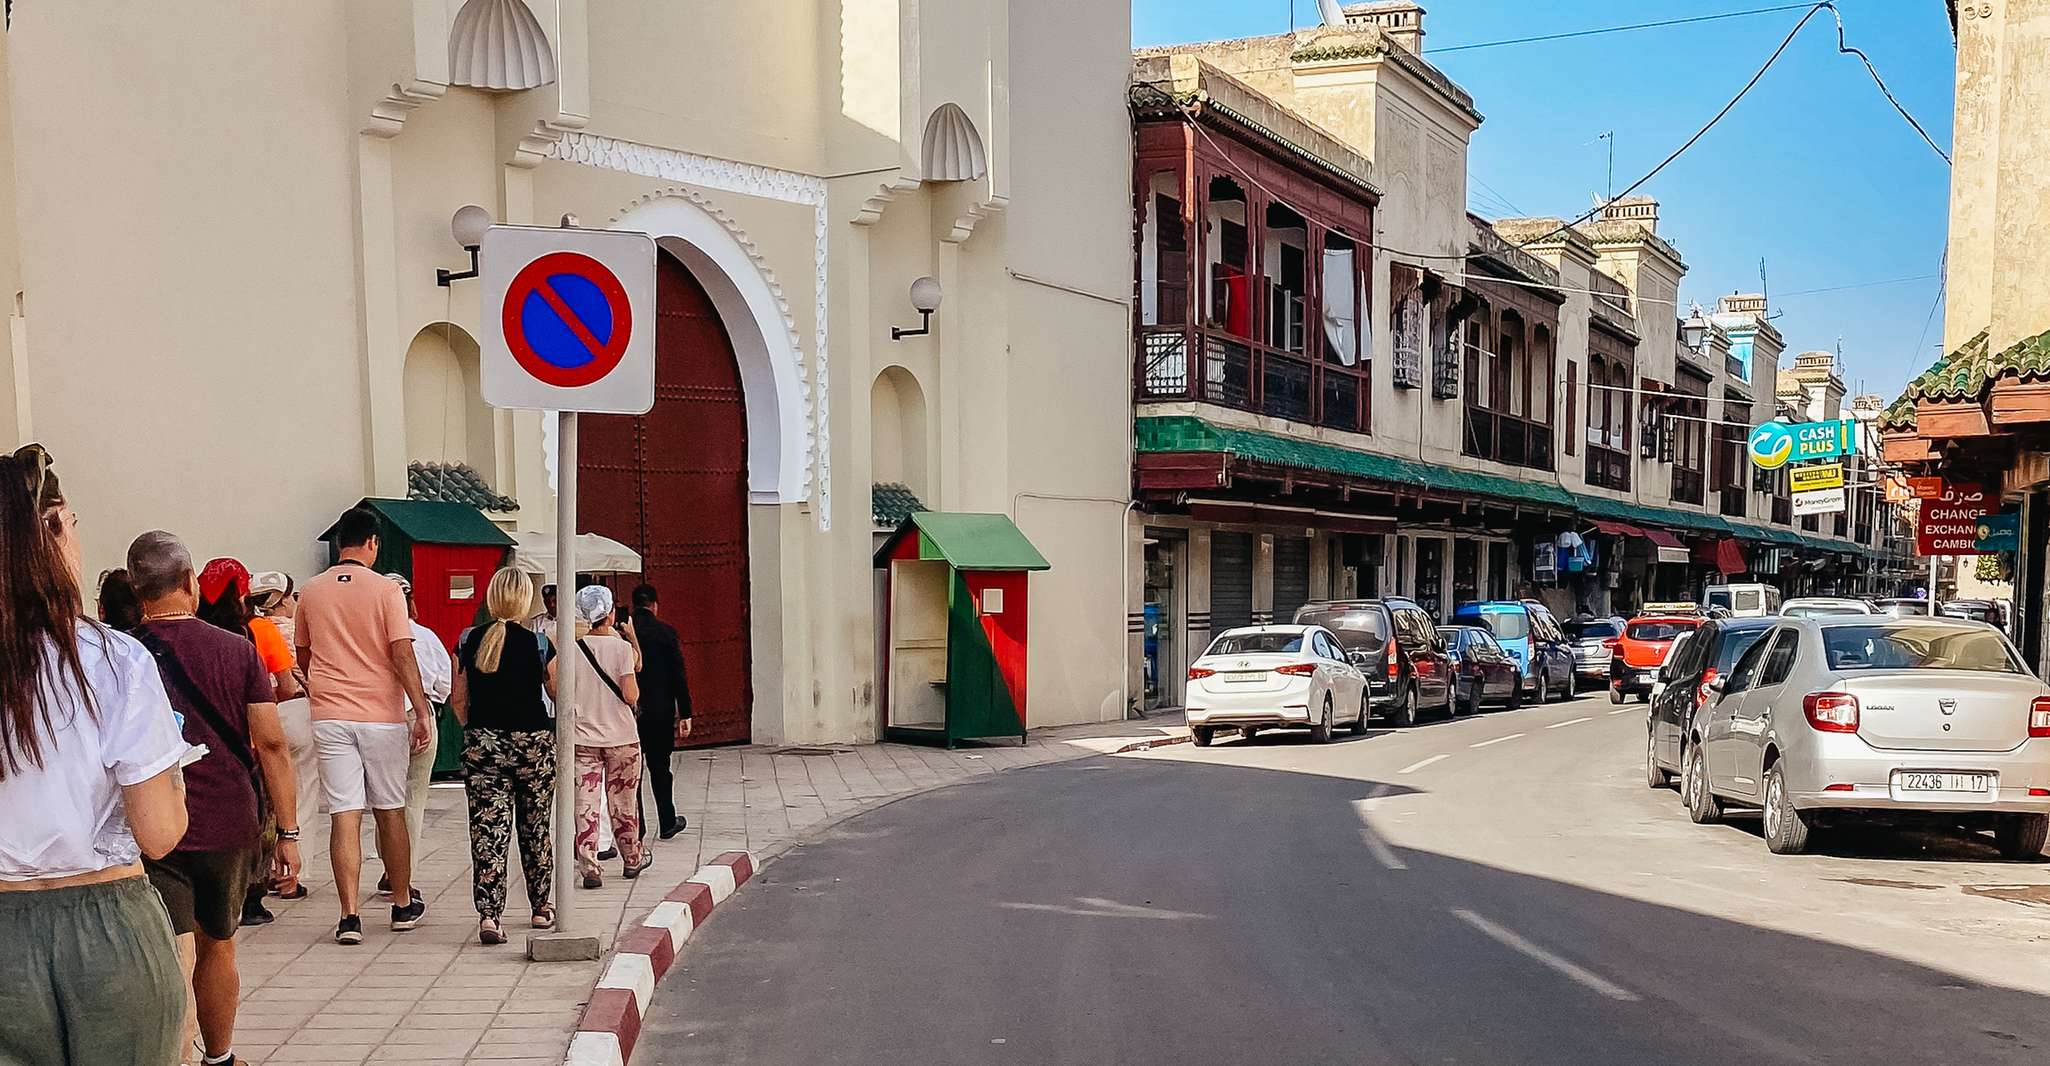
column 1701, row 695
column 1833, row 712
column 1394, row 661
column 1298, row 669
column 1426, row 668
column 2039, row 717
column 1612, row 643
column 1198, row 673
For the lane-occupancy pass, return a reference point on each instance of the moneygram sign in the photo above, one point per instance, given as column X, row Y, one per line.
column 1949, row 523
column 1775, row 444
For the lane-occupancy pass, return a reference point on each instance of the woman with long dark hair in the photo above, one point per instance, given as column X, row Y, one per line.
column 224, row 604
column 89, row 757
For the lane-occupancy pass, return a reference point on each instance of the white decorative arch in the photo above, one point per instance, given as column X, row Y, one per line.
column 759, row 323
column 952, row 149
column 499, row 45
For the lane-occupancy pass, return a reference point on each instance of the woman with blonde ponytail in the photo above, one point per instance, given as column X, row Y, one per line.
column 508, row 752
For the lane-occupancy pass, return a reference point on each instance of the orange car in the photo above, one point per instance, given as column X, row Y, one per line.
column 1637, row 655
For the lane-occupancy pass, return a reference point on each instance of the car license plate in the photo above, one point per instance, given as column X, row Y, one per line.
column 1251, row 677
column 1921, row 782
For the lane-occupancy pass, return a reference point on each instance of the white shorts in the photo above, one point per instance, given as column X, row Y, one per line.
column 362, row 761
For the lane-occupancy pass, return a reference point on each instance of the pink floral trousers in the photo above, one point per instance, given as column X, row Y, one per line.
column 617, row 770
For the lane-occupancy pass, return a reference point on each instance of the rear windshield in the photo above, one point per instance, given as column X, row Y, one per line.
column 1905, row 646
column 1596, row 629
column 1659, row 630
column 1507, row 625
column 1355, row 628
column 1256, row 643
column 1719, row 598
column 1976, row 614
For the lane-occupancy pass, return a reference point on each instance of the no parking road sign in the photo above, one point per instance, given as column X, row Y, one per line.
column 568, row 320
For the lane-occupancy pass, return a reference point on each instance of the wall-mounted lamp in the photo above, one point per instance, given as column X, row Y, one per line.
column 467, row 226
column 1695, row 329
column 925, row 298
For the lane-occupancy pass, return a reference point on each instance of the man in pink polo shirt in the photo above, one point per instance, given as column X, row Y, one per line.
column 356, row 644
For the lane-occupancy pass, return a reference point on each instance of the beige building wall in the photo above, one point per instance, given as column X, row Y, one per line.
column 1998, row 273
column 238, row 330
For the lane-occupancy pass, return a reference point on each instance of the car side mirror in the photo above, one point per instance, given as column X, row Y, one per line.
column 1720, row 686
column 1357, row 656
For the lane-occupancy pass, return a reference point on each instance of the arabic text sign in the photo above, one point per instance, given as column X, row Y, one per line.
column 1821, row 501
column 2000, row 532
column 1949, row 523
column 1815, row 476
column 1775, row 444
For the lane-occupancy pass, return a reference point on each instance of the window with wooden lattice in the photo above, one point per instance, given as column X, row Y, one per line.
column 1409, row 322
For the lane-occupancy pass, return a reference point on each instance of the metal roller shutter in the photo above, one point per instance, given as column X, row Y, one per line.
column 1231, row 581
column 1291, row 576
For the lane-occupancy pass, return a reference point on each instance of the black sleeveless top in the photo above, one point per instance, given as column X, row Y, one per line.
column 508, row 698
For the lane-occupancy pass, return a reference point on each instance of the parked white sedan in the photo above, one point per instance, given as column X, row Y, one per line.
column 1293, row 677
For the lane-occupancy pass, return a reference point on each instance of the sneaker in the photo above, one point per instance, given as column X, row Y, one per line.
column 593, row 881
column 679, row 826
column 257, row 914
column 631, row 872
column 384, row 885
column 408, row 916
column 608, row 853
column 349, row 930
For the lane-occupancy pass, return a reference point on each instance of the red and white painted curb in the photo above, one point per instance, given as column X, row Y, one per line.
column 612, row 1020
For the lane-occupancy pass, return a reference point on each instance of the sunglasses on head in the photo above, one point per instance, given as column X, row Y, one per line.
column 38, row 457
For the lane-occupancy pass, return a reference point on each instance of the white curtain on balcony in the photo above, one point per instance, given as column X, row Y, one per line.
column 1341, row 305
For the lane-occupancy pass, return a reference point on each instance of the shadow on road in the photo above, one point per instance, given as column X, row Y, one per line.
column 1186, row 913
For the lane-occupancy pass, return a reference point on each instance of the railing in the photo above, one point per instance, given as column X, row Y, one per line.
column 1507, row 439
column 1782, row 511
column 1235, row 372
column 1608, row 468
column 1688, row 485
column 1735, row 505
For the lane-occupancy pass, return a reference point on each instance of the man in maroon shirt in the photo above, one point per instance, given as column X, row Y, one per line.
column 217, row 682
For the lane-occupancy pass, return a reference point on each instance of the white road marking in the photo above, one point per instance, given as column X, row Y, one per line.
column 1621, row 710
column 1497, row 740
column 1098, row 907
column 1421, row 763
column 1577, row 973
column 1376, row 847
column 1567, row 722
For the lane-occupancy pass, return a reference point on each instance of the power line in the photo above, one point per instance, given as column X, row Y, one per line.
column 1613, row 29
column 1860, row 285
column 1843, row 46
column 1690, row 142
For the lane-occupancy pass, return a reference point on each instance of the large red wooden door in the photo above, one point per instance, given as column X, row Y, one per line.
column 673, row 485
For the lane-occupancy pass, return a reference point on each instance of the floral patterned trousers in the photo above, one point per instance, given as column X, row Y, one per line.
column 511, row 784
column 617, row 771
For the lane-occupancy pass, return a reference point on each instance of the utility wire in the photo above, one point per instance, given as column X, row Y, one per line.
column 1612, row 29
column 1843, row 46
column 1689, row 142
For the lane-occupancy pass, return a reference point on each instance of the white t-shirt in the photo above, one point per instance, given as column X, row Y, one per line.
column 66, row 818
column 437, row 669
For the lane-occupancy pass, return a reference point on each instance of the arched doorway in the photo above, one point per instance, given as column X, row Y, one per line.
column 673, row 485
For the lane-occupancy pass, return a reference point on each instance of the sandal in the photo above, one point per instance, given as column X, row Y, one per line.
column 489, row 933
column 544, row 916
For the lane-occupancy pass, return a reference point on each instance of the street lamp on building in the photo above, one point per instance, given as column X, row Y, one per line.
column 925, row 299
column 467, row 226
column 1694, row 331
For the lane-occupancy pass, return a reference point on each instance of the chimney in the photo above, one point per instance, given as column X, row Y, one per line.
column 1642, row 211
column 1401, row 21
column 1741, row 303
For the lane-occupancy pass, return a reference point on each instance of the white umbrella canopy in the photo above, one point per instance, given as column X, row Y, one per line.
column 535, row 553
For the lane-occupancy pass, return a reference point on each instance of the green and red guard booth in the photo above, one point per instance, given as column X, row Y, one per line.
column 955, row 627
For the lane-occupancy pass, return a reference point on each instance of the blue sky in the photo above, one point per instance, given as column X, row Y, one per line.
column 1813, row 172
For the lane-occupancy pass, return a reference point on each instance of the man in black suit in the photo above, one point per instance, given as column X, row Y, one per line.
column 665, row 704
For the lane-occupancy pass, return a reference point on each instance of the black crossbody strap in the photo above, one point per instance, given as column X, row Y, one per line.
column 174, row 671
column 600, row 671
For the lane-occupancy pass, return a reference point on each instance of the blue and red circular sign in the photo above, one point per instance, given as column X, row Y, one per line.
column 567, row 319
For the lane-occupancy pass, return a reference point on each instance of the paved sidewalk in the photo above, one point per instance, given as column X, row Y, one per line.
column 435, row 996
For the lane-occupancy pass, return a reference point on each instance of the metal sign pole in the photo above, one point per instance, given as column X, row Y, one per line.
column 563, row 944
column 565, row 676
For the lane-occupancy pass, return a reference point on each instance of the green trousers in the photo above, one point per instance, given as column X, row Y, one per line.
column 89, row 976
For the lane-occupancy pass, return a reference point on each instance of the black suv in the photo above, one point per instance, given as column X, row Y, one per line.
column 1699, row 658
column 1395, row 643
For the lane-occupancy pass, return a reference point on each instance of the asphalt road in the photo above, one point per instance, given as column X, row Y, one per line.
column 1501, row 889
